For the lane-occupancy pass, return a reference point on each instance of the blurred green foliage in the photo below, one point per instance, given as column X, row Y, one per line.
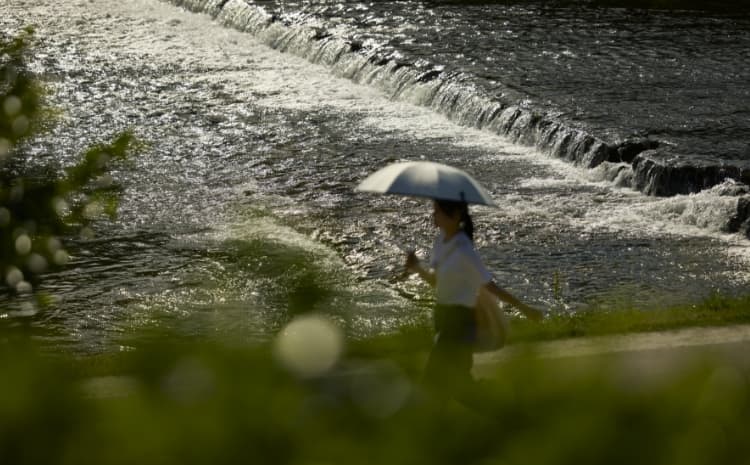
column 184, row 403
column 715, row 310
column 39, row 205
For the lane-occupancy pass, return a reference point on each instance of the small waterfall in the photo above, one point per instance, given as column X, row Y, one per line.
column 740, row 222
column 681, row 175
column 449, row 93
column 212, row 7
column 655, row 170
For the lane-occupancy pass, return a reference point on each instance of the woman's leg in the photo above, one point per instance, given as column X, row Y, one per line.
column 449, row 365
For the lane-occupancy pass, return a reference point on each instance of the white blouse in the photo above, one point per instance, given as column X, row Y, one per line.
column 459, row 272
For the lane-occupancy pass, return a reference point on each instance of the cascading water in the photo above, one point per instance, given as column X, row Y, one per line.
column 678, row 155
column 245, row 194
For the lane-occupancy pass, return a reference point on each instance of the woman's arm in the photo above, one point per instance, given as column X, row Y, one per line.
column 414, row 266
column 530, row 312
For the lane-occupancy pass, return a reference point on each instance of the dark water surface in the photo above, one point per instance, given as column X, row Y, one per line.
column 663, row 93
column 681, row 78
column 245, row 193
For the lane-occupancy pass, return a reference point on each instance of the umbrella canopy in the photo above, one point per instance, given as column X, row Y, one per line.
column 426, row 179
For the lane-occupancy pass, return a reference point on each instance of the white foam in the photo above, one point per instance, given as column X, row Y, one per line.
column 568, row 196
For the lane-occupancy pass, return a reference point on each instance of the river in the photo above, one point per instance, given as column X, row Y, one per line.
column 245, row 191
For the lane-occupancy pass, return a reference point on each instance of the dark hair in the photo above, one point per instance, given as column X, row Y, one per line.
column 451, row 207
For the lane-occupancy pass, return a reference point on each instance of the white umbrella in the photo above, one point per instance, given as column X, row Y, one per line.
column 426, row 179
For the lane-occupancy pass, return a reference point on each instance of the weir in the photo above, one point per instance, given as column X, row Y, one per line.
column 244, row 191
column 656, row 169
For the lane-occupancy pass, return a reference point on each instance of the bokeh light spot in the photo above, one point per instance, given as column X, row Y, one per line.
column 13, row 276
column 37, row 263
column 61, row 257
column 4, row 148
column 309, row 346
column 12, row 105
column 53, row 244
column 60, row 206
column 24, row 287
column 104, row 181
column 23, row 244
column 20, row 125
column 381, row 389
column 189, row 381
column 93, row 210
column 87, row 234
column 4, row 217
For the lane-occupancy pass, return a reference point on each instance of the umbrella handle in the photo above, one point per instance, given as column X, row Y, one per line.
column 403, row 276
column 404, row 248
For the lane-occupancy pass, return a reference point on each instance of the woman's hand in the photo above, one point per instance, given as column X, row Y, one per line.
column 413, row 265
column 532, row 313
column 412, row 262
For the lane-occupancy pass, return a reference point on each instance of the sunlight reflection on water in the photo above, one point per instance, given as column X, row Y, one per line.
column 252, row 159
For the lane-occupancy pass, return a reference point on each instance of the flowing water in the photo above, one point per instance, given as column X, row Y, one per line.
column 679, row 78
column 241, row 210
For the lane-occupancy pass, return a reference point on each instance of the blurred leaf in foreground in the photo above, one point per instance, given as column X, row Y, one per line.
column 39, row 206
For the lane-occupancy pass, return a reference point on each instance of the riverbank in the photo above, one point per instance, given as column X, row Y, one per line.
column 716, row 321
column 628, row 398
column 635, row 401
column 617, row 318
column 659, row 351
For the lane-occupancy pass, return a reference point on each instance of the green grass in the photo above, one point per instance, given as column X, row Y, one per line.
column 175, row 400
column 716, row 310
column 409, row 344
column 191, row 402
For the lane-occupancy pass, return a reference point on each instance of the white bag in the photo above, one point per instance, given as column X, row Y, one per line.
column 492, row 324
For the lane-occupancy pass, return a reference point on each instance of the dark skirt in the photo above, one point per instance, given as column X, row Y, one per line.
column 456, row 323
column 450, row 361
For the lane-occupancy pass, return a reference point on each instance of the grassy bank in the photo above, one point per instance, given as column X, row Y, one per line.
column 180, row 401
column 716, row 310
column 410, row 343
column 192, row 402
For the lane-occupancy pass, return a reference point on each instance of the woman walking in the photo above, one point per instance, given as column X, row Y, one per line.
column 457, row 274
